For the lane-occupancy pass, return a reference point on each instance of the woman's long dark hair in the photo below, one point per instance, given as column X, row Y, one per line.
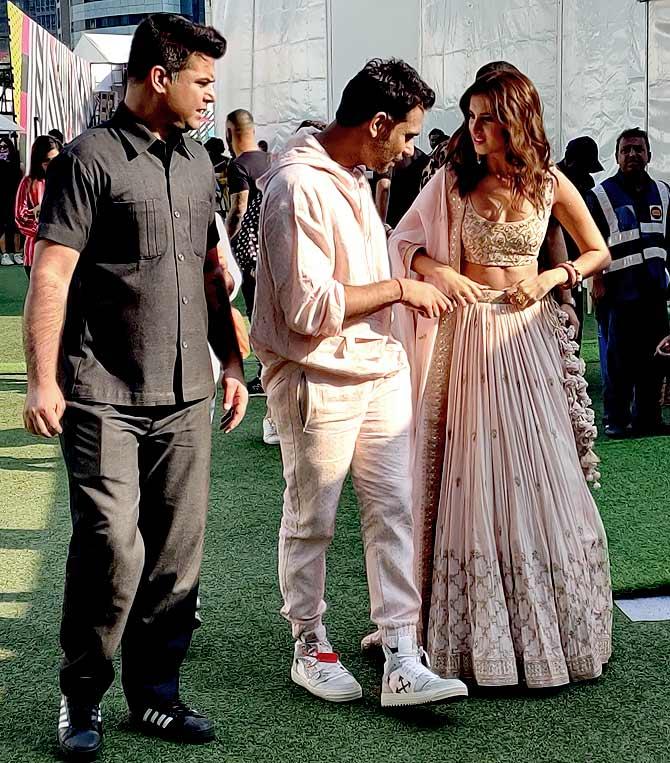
column 516, row 104
column 42, row 146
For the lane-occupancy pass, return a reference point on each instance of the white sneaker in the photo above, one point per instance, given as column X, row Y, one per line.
column 6, row 259
column 270, row 434
column 18, row 258
column 319, row 670
column 407, row 681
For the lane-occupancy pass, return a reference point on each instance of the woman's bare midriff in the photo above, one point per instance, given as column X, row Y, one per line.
column 496, row 277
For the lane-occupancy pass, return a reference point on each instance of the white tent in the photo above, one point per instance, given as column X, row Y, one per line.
column 7, row 125
column 600, row 65
column 107, row 54
column 104, row 48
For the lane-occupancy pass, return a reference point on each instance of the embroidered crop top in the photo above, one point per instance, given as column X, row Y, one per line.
column 504, row 244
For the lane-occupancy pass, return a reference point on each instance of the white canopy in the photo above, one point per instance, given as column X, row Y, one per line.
column 104, row 48
column 7, row 125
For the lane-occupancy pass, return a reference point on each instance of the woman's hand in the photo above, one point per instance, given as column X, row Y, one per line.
column 456, row 287
column 531, row 290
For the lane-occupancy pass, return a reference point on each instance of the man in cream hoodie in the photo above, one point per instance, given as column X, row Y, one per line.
column 338, row 382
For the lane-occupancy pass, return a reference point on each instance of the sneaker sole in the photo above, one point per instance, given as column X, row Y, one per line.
column 154, row 731
column 329, row 696
column 406, row 700
column 257, row 394
column 67, row 754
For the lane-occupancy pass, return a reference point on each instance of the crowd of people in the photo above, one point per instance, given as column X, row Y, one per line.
column 421, row 339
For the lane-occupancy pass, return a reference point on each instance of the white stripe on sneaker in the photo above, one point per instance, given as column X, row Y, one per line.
column 161, row 718
column 168, row 721
column 146, row 715
column 154, row 716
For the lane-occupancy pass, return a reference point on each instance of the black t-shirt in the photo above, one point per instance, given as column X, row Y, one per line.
column 245, row 170
column 405, row 184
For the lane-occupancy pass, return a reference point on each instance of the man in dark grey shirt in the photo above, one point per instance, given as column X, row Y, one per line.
column 127, row 289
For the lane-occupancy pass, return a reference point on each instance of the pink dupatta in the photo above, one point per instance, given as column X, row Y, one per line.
column 434, row 223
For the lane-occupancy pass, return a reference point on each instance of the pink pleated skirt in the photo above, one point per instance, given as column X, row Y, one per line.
column 521, row 585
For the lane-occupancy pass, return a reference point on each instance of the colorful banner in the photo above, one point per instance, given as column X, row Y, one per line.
column 53, row 88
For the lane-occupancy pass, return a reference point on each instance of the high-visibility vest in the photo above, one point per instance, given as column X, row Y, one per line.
column 636, row 238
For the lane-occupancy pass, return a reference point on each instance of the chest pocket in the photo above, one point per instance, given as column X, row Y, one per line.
column 199, row 212
column 139, row 229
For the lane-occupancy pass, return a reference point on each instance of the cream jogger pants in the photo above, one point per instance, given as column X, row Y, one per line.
column 328, row 426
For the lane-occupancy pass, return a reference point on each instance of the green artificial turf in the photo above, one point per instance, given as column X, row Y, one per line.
column 238, row 667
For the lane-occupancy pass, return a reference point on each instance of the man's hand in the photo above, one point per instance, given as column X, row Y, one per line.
column 458, row 288
column 664, row 347
column 573, row 320
column 44, row 409
column 425, row 298
column 597, row 288
column 235, row 399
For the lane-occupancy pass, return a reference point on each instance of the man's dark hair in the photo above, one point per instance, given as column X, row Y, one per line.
column 168, row 40
column 437, row 131
column 56, row 134
column 392, row 86
column 633, row 132
column 496, row 66
column 263, row 145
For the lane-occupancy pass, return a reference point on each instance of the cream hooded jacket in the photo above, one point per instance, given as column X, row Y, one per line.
column 319, row 230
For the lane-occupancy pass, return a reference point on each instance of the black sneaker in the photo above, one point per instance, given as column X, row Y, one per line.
column 79, row 729
column 255, row 388
column 174, row 721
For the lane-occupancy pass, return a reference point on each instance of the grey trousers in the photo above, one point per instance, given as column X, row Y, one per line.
column 139, row 485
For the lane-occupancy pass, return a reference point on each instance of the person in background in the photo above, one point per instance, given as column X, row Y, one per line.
column 216, row 149
column 396, row 189
column 30, row 193
column 435, row 137
column 263, row 145
column 631, row 210
column 10, row 177
column 248, row 164
column 579, row 165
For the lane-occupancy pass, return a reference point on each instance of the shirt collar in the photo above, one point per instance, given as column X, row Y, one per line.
column 138, row 134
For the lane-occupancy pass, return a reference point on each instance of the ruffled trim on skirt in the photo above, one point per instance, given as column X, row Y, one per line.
column 582, row 416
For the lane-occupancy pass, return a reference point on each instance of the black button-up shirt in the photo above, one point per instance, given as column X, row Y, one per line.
column 141, row 212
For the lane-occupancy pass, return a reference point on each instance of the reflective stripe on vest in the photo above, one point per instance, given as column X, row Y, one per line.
column 649, row 253
column 617, row 237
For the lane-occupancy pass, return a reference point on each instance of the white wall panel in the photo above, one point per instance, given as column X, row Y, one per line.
column 659, row 87
column 604, row 71
column 459, row 36
column 361, row 30
column 235, row 20
column 289, row 59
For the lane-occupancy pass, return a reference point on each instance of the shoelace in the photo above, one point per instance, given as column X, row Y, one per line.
column 413, row 664
column 179, row 709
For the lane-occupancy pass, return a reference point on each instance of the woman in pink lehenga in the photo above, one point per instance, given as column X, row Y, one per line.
column 511, row 552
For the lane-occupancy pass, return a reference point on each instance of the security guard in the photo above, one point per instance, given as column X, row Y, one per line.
column 631, row 210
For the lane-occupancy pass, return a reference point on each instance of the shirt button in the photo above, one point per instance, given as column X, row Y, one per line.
column 185, row 300
column 185, row 345
column 180, row 257
column 176, row 213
